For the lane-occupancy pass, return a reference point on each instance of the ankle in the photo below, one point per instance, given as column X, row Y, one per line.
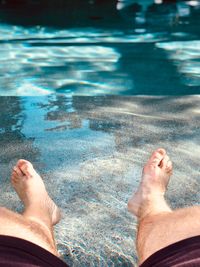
column 153, row 206
column 38, row 218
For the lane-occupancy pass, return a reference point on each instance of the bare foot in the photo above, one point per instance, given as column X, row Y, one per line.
column 31, row 190
column 155, row 178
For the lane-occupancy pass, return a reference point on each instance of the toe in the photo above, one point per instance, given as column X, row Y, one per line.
column 157, row 157
column 166, row 164
column 25, row 166
column 163, row 163
column 22, row 162
column 17, row 171
column 14, row 175
column 169, row 167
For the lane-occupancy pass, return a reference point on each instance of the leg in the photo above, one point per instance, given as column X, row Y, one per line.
column 40, row 212
column 158, row 225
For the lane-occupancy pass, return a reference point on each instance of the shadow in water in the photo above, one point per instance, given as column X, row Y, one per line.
column 149, row 14
column 14, row 144
column 111, row 114
column 61, row 13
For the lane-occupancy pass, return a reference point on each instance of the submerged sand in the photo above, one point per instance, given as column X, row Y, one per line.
column 90, row 152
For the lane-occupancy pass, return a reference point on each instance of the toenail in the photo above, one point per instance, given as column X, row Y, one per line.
column 161, row 151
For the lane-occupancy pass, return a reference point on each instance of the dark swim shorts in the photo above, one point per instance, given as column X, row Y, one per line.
column 16, row 252
column 185, row 253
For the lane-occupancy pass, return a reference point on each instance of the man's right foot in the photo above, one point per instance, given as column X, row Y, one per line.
column 155, row 178
column 31, row 190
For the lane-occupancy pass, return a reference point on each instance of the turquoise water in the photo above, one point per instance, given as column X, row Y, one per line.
column 120, row 49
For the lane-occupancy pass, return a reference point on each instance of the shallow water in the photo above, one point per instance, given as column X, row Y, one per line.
column 148, row 49
column 90, row 152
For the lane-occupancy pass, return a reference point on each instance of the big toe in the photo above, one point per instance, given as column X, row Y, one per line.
column 156, row 157
column 25, row 166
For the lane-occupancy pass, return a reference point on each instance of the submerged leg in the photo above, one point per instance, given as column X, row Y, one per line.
column 40, row 212
column 158, row 225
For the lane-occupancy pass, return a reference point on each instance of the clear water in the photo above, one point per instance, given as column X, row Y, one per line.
column 98, row 49
column 90, row 152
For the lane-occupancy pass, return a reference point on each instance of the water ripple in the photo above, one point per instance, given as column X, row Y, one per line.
column 97, row 61
column 186, row 57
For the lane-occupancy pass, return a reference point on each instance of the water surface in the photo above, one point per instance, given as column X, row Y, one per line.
column 125, row 49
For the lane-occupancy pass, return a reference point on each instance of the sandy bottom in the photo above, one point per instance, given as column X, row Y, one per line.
column 90, row 152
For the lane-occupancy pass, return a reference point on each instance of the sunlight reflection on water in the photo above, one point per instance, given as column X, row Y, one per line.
column 39, row 60
column 185, row 56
